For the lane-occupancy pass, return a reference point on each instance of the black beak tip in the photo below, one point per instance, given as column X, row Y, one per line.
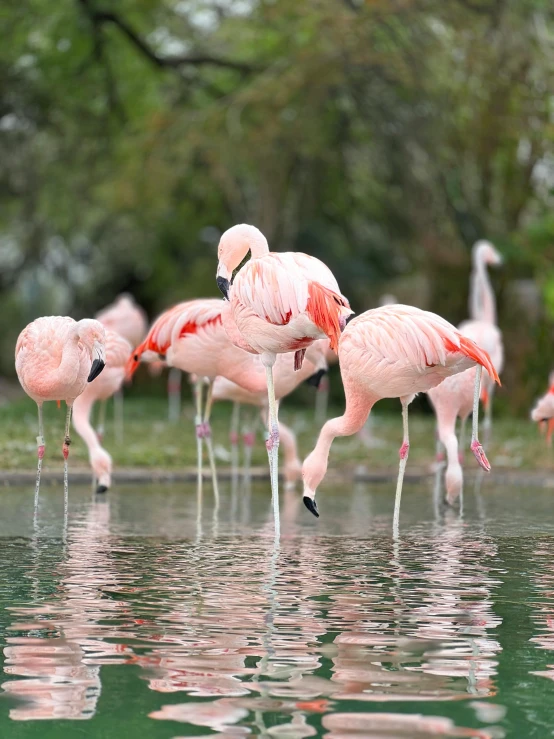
column 315, row 379
column 102, row 489
column 223, row 285
column 97, row 367
column 311, row 505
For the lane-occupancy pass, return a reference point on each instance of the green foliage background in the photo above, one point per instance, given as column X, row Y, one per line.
column 382, row 136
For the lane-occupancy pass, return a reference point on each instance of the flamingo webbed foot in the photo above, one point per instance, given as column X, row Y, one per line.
column 480, row 455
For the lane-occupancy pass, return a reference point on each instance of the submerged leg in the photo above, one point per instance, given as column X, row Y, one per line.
column 174, row 394
column 199, row 428
column 118, row 415
column 208, row 436
column 100, row 429
column 476, row 447
column 65, row 449
column 403, row 453
column 272, row 444
column 234, row 439
column 40, row 452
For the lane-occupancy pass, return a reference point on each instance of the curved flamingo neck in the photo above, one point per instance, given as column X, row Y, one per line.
column 258, row 245
column 482, row 301
column 81, row 421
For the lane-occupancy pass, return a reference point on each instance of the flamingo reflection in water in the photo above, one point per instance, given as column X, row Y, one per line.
column 57, row 674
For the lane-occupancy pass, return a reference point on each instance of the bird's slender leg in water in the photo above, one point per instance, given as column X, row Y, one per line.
column 208, row 436
column 40, row 453
column 476, row 447
column 65, row 449
column 174, row 378
column 439, row 466
column 234, row 439
column 199, row 426
column 100, row 429
column 272, row 443
column 403, row 453
column 118, row 415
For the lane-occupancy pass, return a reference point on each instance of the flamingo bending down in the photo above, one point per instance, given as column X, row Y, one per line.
column 279, row 303
column 482, row 310
column 55, row 357
column 118, row 351
column 394, row 352
column 286, row 380
column 191, row 337
column 128, row 319
column 453, row 398
column 543, row 412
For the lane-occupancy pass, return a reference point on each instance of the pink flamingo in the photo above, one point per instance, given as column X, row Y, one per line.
column 118, row 351
column 55, row 357
column 543, row 412
column 286, row 380
column 279, row 303
column 191, row 337
column 394, row 352
column 128, row 319
column 453, row 398
column 482, row 312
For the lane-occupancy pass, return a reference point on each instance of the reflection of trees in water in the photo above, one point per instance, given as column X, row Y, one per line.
column 62, row 673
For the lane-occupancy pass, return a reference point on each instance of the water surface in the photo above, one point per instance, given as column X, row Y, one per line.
column 140, row 617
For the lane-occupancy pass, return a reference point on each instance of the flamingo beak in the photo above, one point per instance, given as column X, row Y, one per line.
column 223, row 279
column 309, row 501
column 315, row 379
column 99, row 361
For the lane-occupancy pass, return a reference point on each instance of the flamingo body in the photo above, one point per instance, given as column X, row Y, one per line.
column 392, row 351
column 126, row 318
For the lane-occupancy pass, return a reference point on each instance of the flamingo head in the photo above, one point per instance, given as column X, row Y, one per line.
column 313, row 472
column 101, row 464
column 485, row 253
column 234, row 245
column 92, row 335
column 453, row 482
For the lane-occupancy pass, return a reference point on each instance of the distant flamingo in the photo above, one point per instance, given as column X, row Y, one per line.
column 453, row 398
column 118, row 351
column 286, row 380
column 128, row 319
column 394, row 352
column 191, row 336
column 55, row 357
column 543, row 412
column 280, row 302
column 482, row 312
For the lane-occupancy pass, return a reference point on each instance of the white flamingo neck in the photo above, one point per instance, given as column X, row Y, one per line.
column 483, row 302
column 257, row 243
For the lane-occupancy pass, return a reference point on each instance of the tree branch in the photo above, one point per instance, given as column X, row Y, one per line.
column 100, row 18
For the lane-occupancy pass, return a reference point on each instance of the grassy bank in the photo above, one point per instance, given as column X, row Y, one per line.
column 151, row 441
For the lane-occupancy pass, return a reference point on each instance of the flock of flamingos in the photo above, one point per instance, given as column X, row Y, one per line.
column 283, row 318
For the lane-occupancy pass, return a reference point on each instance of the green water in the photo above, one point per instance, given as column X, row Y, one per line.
column 140, row 617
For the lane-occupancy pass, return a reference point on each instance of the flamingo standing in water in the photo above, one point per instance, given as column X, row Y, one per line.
column 55, row 357
column 394, row 352
column 286, row 380
column 118, row 351
column 482, row 313
column 128, row 319
column 453, row 398
column 280, row 302
column 191, row 337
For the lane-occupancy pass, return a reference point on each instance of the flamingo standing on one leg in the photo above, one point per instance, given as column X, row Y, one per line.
column 453, row 398
column 118, row 351
column 394, row 352
column 280, row 302
column 128, row 319
column 286, row 380
column 55, row 357
column 482, row 312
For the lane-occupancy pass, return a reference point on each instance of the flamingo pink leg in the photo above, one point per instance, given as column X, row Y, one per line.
column 272, row 443
column 234, row 436
column 65, row 449
column 199, row 431
column 476, row 447
column 40, row 452
column 207, row 431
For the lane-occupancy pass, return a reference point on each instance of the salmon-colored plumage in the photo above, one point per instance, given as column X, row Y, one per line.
column 392, row 351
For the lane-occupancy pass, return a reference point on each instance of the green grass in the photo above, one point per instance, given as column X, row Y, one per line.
column 151, row 441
